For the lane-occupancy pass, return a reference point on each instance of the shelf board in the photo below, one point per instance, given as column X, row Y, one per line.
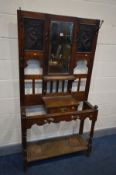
column 58, row 77
column 33, row 77
column 59, row 101
column 55, row 147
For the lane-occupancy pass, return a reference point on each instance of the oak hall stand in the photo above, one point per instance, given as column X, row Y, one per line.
column 56, row 55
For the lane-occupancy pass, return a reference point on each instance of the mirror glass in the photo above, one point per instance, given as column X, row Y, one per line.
column 60, row 47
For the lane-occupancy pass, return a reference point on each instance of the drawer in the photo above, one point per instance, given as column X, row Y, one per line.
column 61, row 109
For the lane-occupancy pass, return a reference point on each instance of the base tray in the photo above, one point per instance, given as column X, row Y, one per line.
column 55, row 147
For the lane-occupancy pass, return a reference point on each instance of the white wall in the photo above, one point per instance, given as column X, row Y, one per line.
column 103, row 85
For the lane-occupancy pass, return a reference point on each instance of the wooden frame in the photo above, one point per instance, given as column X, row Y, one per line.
column 80, row 50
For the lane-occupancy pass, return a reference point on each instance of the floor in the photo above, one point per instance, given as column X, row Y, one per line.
column 101, row 162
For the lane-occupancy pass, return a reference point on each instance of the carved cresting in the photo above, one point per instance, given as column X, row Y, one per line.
column 33, row 34
column 85, row 37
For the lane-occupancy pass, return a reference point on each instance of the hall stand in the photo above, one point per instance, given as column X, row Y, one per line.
column 56, row 55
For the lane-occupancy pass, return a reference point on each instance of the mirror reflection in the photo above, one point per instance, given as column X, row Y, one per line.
column 60, row 47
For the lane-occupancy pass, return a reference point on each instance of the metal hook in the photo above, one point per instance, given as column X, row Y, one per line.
column 101, row 22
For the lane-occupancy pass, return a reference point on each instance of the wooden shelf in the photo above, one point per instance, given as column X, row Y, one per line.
column 31, row 77
column 59, row 101
column 59, row 77
column 55, row 147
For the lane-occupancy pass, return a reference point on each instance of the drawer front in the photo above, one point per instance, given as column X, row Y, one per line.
column 62, row 109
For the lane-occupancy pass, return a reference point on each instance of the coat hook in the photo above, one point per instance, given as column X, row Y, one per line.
column 101, row 22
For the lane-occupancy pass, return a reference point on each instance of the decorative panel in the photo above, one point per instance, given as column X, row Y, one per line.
column 33, row 34
column 85, row 37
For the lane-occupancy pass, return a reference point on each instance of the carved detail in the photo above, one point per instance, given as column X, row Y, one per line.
column 33, row 34
column 85, row 37
column 73, row 117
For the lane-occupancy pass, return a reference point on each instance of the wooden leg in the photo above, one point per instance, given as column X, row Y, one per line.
column 24, row 147
column 81, row 127
column 91, row 137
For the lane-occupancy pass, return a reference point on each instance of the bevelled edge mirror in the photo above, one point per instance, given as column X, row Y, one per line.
column 60, row 47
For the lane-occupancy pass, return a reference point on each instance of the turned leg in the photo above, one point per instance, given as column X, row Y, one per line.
column 91, row 137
